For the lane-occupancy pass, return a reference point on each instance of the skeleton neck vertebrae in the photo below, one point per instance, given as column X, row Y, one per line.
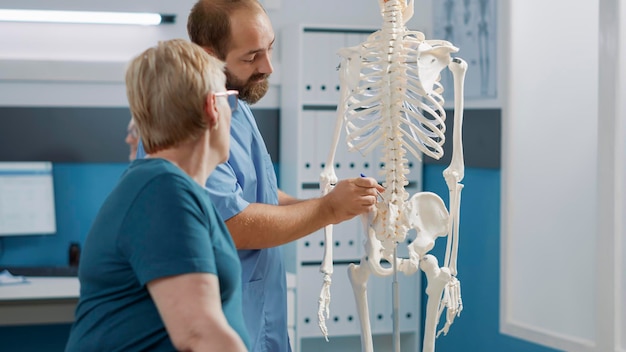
column 391, row 99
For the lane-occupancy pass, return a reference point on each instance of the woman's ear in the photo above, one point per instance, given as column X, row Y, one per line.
column 211, row 112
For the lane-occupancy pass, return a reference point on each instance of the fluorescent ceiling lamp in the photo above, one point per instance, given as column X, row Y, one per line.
column 85, row 17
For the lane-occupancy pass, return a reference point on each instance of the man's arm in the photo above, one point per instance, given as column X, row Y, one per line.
column 263, row 225
column 285, row 199
column 191, row 308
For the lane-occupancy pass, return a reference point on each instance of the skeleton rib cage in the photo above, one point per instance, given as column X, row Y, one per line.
column 391, row 99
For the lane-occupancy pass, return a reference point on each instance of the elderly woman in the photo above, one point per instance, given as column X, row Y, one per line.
column 159, row 270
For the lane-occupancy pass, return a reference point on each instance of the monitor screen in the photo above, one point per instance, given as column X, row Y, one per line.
column 26, row 199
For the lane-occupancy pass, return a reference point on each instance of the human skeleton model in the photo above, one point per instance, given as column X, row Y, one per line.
column 391, row 98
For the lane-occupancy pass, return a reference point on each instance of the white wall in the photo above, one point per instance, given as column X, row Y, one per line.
column 349, row 13
column 563, row 174
column 83, row 65
column 548, row 181
column 621, row 185
column 620, row 147
column 76, row 42
column 611, row 116
column 74, row 64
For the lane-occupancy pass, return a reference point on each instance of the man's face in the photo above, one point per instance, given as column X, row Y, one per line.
column 248, row 63
column 250, row 90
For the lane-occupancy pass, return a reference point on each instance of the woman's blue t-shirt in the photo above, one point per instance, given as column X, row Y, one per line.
column 157, row 222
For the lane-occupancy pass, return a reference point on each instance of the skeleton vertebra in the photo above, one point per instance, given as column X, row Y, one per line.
column 391, row 98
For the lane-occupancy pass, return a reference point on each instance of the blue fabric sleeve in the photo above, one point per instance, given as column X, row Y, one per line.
column 225, row 191
column 175, row 239
column 141, row 153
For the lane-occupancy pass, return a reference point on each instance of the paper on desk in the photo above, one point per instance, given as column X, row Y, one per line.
column 6, row 278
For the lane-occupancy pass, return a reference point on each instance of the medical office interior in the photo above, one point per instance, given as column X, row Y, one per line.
column 541, row 253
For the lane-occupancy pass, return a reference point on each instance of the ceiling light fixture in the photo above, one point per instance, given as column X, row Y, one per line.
column 91, row 17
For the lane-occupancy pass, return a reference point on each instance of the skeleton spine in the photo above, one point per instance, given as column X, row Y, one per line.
column 394, row 88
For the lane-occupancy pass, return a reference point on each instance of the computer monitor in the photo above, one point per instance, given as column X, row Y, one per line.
column 26, row 199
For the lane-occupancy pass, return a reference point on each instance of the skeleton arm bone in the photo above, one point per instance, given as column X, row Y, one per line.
column 456, row 171
column 328, row 178
column 457, row 168
column 453, row 228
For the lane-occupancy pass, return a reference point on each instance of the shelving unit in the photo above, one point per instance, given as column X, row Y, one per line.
column 309, row 97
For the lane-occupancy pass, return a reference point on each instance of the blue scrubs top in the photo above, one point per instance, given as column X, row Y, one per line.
column 248, row 177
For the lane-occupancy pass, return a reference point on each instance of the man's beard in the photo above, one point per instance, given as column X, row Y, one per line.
column 251, row 90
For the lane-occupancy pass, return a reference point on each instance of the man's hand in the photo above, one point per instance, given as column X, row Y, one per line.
column 352, row 197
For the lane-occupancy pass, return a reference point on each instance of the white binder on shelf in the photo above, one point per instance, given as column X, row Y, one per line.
column 313, row 43
column 309, row 152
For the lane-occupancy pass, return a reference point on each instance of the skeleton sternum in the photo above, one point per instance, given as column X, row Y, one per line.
column 389, row 223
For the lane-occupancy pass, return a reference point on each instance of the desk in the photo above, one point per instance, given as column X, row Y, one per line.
column 43, row 300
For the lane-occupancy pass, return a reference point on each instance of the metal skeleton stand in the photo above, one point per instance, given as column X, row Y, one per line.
column 391, row 98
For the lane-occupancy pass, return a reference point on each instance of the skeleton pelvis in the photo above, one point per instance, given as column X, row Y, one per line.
column 425, row 212
column 428, row 215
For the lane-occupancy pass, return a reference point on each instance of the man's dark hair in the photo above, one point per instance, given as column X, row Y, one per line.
column 208, row 24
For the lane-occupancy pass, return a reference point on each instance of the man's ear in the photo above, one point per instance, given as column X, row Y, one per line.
column 209, row 50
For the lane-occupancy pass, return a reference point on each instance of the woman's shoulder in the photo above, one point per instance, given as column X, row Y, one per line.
column 158, row 174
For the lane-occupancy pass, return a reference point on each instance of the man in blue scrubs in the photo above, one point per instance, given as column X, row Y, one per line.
column 259, row 216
